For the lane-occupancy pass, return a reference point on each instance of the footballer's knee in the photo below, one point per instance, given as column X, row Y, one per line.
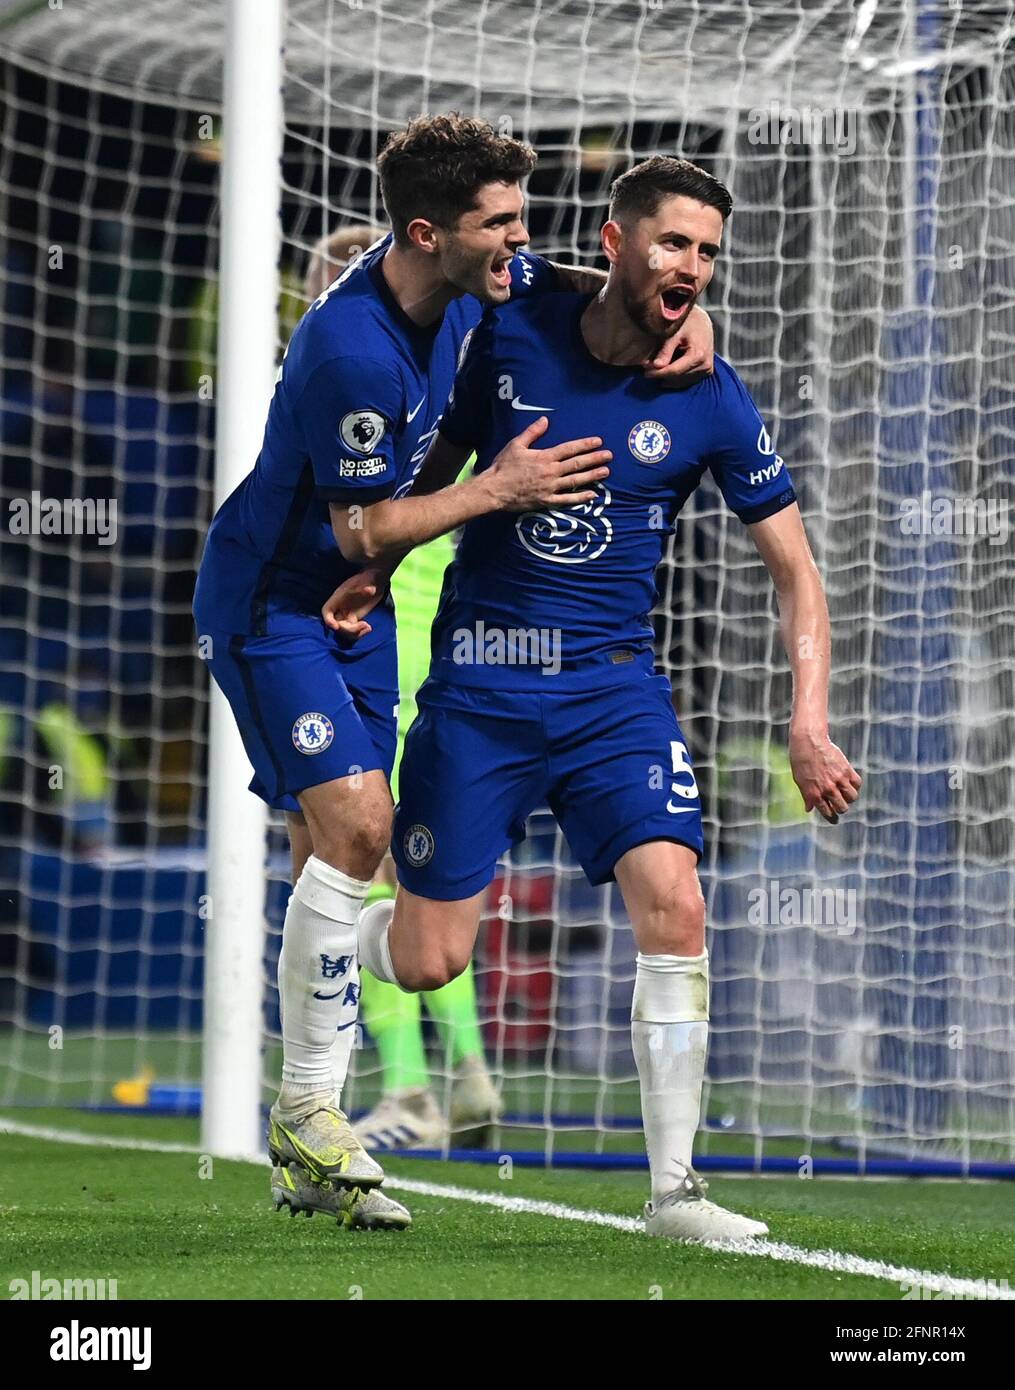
column 422, row 977
column 672, row 920
column 432, row 940
column 431, row 969
column 352, row 830
column 358, row 848
column 370, row 835
column 659, row 880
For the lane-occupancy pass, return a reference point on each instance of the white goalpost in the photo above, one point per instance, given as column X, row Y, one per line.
column 247, row 344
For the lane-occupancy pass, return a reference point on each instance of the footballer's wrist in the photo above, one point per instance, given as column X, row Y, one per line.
column 484, row 491
column 808, row 725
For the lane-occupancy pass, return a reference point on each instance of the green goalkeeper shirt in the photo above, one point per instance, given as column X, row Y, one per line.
column 416, row 588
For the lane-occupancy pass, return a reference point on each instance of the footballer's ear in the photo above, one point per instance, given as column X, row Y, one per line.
column 611, row 238
column 422, row 235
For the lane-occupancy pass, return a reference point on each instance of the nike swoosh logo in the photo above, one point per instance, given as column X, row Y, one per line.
column 518, row 404
column 319, row 995
column 412, row 414
column 343, row 1026
column 683, row 810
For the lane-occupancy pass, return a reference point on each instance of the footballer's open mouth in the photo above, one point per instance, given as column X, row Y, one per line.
column 500, row 272
column 676, row 301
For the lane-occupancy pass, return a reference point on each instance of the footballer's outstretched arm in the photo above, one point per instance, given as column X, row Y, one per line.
column 521, row 478
column 820, row 769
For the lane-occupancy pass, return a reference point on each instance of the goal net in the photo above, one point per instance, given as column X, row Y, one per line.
column 863, row 998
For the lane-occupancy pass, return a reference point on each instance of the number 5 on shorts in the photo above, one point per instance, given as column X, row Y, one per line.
column 681, row 765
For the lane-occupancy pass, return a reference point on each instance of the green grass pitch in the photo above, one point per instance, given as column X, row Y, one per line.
column 152, row 1222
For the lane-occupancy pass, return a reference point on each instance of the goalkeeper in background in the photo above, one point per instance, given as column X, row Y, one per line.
column 408, row 1114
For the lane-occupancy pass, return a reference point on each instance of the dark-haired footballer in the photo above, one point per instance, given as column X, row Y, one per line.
column 542, row 686
column 357, row 401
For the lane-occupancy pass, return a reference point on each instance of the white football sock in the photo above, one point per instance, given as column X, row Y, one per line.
column 318, row 985
column 669, row 1031
column 374, row 951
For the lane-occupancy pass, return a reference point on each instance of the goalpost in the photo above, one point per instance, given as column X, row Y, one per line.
column 863, row 995
column 248, row 331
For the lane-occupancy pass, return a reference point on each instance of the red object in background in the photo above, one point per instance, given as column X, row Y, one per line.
column 514, row 976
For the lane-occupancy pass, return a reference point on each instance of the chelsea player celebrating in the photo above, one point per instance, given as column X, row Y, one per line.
column 357, row 400
column 542, row 686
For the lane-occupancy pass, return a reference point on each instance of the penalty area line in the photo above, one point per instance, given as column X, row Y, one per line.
column 830, row 1261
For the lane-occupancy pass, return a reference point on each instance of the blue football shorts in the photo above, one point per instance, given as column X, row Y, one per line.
column 308, row 710
column 612, row 765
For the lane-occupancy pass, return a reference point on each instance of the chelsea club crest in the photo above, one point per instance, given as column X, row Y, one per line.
column 649, row 441
column 312, row 733
column 418, row 845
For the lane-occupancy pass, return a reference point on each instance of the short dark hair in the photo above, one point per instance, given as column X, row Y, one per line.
column 435, row 167
column 639, row 192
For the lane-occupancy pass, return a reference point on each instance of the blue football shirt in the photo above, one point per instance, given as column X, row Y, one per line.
column 356, row 402
column 574, row 586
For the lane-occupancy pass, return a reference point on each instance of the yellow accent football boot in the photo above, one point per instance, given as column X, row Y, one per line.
column 356, row 1208
column 324, row 1144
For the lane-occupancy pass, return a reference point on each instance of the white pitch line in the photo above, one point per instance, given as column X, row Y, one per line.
column 531, row 1206
column 831, row 1261
column 97, row 1141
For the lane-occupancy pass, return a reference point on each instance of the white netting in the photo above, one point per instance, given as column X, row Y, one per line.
column 868, row 298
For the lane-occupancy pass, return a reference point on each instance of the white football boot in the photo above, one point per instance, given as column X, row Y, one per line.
column 356, row 1208
column 404, row 1120
column 688, row 1215
column 324, row 1144
column 475, row 1104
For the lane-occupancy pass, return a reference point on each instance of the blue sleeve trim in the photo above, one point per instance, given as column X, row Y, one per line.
column 766, row 509
column 362, row 495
